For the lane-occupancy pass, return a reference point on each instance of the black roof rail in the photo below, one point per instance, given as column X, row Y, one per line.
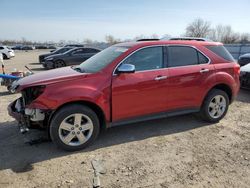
column 140, row 40
column 190, row 38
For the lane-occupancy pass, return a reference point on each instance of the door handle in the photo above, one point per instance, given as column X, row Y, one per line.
column 204, row 70
column 160, row 78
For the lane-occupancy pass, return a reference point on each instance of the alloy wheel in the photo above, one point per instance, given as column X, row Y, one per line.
column 76, row 129
column 217, row 106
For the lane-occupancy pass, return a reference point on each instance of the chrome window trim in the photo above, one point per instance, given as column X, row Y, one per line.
column 166, row 45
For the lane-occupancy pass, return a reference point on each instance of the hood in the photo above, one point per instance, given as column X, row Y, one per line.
column 49, row 77
column 245, row 68
column 43, row 55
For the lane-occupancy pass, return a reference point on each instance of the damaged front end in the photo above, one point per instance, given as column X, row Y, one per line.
column 29, row 118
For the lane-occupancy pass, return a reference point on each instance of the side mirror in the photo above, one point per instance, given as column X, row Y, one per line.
column 125, row 68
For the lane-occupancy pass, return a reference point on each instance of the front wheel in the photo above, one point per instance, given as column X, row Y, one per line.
column 215, row 106
column 59, row 64
column 74, row 127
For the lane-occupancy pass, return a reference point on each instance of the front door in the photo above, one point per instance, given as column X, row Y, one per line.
column 143, row 92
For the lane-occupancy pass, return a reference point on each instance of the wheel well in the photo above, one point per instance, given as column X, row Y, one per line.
column 5, row 56
column 226, row 89
column 59, row 60
column 92, row 106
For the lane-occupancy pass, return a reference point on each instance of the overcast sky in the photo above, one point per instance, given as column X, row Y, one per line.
column 43, row 20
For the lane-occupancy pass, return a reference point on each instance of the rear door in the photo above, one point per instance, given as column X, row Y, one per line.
column 143, row 92
column 189, row 72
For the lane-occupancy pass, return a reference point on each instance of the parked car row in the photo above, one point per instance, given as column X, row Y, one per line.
column 30, row 47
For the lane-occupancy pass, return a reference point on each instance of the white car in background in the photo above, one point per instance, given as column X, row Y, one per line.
column 7, row 52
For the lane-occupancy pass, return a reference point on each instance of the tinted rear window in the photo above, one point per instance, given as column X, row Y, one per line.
column 182, row 56
column 222, row 52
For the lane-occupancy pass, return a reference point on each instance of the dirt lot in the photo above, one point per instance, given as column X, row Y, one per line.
column 176, row 152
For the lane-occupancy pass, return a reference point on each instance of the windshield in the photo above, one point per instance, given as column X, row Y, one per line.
column 62, row 50
column 102, row 59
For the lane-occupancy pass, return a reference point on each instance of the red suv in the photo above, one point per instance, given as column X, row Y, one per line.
column 128, row 82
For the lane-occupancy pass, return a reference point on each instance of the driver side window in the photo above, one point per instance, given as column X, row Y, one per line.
column 146, row 59
column 78, row 51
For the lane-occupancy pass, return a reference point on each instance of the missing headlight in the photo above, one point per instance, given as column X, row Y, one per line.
column 31, row 93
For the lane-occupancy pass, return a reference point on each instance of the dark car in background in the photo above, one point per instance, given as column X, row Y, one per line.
column 244, row 59
column 27, row 48
column 74, row 56
column 59, row 51
column 245, row 76
column 74, row 45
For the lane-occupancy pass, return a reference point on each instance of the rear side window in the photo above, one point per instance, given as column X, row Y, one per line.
column 202, row 58
column 222, row 52
column 79, row 51
column 1, row 48
column 146, row 59
column 91, row 50
column 182, row 56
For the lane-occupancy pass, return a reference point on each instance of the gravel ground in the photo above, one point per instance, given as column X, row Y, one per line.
column 175, row 152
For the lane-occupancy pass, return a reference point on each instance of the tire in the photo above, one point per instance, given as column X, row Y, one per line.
column 215, row 106
column 5, row 56
column 70, row 133
column 59, row 64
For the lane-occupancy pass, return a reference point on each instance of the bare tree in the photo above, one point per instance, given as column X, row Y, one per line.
column 154, row 36
column 198, row 28
column 88, row 41
column 224, row 34
column 111, row 39
column 166, row 36
column 139, row 37
column 245, row 38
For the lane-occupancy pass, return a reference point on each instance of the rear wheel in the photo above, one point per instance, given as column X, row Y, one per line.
column 59, row 63
column 215, row 106
column 74, row 127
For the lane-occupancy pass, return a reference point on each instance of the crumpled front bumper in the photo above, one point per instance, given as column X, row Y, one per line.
column 16, row 115
column 16, row 110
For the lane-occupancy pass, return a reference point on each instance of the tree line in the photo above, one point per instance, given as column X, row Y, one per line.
column 197, row 28
column 219, row 33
